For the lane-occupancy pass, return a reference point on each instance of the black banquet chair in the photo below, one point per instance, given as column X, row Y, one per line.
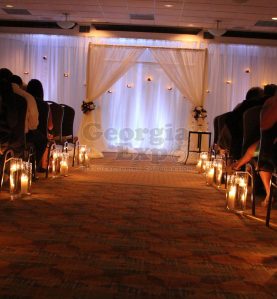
column 56, row 133
column 67, row 128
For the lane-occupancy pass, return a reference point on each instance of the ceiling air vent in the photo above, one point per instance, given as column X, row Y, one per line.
column 15, row 11
column 266, row 23
column 148, row 17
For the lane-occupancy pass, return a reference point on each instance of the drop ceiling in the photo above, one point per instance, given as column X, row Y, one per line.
column 235, row 15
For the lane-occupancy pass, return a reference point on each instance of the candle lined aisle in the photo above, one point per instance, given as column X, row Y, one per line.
column 237, row 183
column 20, row 173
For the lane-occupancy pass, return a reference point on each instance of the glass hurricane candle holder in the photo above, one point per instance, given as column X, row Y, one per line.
column 87, row 155
column 204, row 158
column 236, row 193
column 219, row 165
column 242, row 188
column 56, row 160
column 26, row 178
column 15, row 178
column 209, row 172
column 64, row 164
column 82, row 155
column 199, row 166
column 231, row 192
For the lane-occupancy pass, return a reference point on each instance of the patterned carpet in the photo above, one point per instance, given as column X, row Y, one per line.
column 132, row 229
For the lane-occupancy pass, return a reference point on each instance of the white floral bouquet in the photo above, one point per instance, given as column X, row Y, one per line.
column 199, row 113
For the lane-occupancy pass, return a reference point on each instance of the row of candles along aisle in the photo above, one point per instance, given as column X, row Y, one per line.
column 237, row 182
column 21, row 171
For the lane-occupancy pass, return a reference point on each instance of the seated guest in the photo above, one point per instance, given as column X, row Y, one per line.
column 234, row 120
column 268, row 121
column 32, row 110
column 35, row 88
column 8, row 113
column 32, row 120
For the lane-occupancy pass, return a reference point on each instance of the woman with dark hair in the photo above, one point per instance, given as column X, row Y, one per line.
column 35, row 88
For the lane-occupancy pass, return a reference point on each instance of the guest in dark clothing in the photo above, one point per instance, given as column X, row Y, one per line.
column 268, row 118
column 234, row 120
column 33, row 135
column 17, row 80
column 35, row 88
column 8, row 113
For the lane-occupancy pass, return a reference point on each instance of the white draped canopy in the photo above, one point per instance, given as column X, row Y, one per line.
column 107, row 64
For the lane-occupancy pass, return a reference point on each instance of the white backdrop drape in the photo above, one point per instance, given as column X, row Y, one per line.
column 49, row 57
column 142, row 115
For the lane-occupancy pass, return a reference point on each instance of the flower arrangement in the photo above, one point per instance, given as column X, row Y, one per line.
column 199, row 112
column 87, row 106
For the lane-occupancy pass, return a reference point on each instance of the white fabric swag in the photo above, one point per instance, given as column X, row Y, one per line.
column 107, row 64
column 186, row 68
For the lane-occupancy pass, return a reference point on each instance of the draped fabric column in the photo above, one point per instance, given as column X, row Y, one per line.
column 106, row 64
column 187, row 69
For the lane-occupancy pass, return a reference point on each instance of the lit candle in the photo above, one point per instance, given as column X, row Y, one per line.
column 218, row 175
column 199, row 165
column 64, row 168
column 232, row 196
column 12, row 183
column 210, row 175
column 243, row 192
column 86, row 158
column 24, row 184
column 81, row 158
column 13, row 168
column 204, row 156
column 242, row 182
column 204, row 165
column 82, row 155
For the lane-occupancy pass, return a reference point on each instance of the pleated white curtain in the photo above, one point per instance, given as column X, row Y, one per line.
column 186, row 68
column 140, row 115
column 105, row 65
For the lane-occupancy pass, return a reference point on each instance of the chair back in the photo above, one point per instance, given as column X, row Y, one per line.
column 68, row 121
column 57, row 119
column 43, row 110
column 251, row 127
column 267, row 159
column 224, row 136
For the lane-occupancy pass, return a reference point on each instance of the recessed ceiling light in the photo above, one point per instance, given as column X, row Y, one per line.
column 274, row 18
column 168, row 5
column 9, row 6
